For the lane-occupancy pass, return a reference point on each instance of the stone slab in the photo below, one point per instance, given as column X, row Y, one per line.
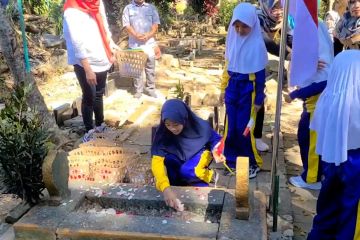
column 82, row 226
column 254, row 228
column 191, row 197
column 41, row 221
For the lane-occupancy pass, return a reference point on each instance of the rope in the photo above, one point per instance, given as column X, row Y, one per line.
column 23, row 35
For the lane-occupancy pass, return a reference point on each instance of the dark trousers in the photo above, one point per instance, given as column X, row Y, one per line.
column 307, row 143
column 259, row 123
column 92, row 97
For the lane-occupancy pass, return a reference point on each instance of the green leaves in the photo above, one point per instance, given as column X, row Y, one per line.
column 22, row 146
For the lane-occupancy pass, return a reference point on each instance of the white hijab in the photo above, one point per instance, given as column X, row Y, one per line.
column 245, row 54
column 337, row 114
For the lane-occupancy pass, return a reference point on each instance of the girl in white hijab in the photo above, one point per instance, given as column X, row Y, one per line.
column 337, row 124
column 243, row 85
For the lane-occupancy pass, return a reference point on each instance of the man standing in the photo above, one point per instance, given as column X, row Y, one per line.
column 141, row 20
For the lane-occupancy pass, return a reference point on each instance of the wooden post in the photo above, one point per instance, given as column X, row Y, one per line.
column 242, row 188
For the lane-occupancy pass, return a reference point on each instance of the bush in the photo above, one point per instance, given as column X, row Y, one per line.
column 56, row 15
column 22, row 147
column 226, row 10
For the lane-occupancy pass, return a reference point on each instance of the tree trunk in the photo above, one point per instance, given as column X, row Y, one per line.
column 15, row 61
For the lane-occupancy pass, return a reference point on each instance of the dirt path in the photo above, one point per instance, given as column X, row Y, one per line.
column 303, row 201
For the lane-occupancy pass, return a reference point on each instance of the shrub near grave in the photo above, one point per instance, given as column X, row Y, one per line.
column 22, row 147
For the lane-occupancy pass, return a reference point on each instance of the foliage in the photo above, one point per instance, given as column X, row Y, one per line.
column 39, row 7
column 22, row 146
column 226, row 10
column 165, row 11
column 323, row 8
column 179, row 91
column 56, row 15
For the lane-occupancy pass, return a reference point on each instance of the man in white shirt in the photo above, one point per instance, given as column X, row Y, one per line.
column 141, row 20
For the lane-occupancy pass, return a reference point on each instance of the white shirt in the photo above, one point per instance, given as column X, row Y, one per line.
column 83, row 39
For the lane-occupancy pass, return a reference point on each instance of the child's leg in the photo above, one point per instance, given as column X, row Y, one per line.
column 307, row 143
column 237, row 118
column 349, row 216
column 328, row 206
column 195, row 171
column 173, row 165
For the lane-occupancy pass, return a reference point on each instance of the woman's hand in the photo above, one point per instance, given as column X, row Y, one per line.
column 170, row 198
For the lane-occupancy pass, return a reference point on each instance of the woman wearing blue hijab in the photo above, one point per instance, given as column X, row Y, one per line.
column 182, row 150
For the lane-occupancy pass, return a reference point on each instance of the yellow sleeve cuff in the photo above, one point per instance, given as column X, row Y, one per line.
column 225, row 78
column 159, row 170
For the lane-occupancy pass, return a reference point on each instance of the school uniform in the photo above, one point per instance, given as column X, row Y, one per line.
column 309, row 92
column 184, row 159
column 243, row 83
column 337, row 124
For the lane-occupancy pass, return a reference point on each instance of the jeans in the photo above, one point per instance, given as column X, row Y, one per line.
column 92, row 97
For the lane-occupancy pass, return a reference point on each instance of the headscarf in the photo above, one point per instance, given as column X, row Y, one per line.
column 245, row 54
column 268, row 22
column 347, row 27
column 337, row 114
column 194, row 136
column 91, row 7
column 335, row 17
column 326, row 54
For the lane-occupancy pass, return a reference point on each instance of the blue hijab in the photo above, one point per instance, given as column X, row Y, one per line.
column 194, row 136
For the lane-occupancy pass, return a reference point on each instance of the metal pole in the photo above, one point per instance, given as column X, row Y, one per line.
column 23, row 35
column 276, row 130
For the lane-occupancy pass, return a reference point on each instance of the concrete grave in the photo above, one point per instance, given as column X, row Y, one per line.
column 132, row 212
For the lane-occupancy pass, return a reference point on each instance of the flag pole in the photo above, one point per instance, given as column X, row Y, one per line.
column 276, row 130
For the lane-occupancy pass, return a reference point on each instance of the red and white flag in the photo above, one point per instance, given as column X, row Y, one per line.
column 305, row 46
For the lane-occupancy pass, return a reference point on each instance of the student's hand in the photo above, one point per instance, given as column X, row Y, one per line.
column 257, row 107
column 321, row 64
column 170, row 198
column 222, row 99
column 90, row 77
column 218, row 158
column 287, row 97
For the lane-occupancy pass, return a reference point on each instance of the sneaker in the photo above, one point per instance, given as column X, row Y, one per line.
column 253, row 170
column 260, row 145
column 299, row 182
column 88, row 136
column 102, row 128
column 138, row 95
column 151, row 93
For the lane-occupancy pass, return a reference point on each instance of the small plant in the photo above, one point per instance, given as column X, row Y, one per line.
column 22, row 147
column 226, row 11
column 179, row 91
